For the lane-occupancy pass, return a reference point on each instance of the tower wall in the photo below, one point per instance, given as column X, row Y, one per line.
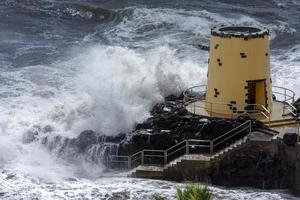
column 239, row 70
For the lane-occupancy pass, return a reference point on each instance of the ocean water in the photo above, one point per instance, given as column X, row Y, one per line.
column 69, row 66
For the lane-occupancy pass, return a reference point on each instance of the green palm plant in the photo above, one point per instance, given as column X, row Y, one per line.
column 191, row 192
column 194, row 192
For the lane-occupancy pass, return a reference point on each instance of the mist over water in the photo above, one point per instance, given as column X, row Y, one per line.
column 68, row 67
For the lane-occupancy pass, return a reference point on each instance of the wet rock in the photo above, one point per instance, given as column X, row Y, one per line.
column 171, row 98
column 30, row 136
column 10, row 176
column 86, row 138
column 113, row 139
column 290, row 139
column 47, row 129
column 169, row 124
column 157, row 108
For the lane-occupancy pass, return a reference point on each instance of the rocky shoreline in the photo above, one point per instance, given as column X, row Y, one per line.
column 169, row 124
column 260, row 164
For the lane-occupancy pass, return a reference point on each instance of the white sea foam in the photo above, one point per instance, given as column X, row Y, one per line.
column 106, row 89
column 115, row 187
column 286, row 70
column 125, row 84
column 179, row 27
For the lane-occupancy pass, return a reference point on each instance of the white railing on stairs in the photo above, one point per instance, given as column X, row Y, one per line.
column 190, row 146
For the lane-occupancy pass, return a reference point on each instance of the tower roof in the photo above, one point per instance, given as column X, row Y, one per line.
column 239, row 31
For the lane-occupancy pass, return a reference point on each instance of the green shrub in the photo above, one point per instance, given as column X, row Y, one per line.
column 194, row 192
column 191, row 192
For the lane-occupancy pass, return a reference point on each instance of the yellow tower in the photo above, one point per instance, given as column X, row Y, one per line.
column 239, row 70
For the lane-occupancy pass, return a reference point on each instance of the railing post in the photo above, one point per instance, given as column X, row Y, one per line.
column 142, row 157
column 250, row 127
column 194, row 107
column 298, row 132
column 187, row 148
column 129, row 162
column 284, row 101
column 293, row 98
column 165, row 157
column 284, row 95
column 211, row 149
column 108, row 162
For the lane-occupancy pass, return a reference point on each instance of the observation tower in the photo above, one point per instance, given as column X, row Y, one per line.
column 239, row 79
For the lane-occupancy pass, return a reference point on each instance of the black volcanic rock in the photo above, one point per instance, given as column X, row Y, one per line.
column 250, row 167
column 171, row 98
column 290, row 139
column 171, row 123
column 86, row 138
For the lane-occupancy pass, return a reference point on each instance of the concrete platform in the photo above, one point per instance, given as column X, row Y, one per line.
column 277, row 116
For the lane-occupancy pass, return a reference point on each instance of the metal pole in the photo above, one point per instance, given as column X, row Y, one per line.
column 129, row 162
column 293, row 98
column 165, row 157
column 194, row 107
column 211, row 109
column 284, row 102
column 297, row 132
column 108, row 162
column 211, row 147
column 187, row 148
column 250, row 128
column 142, row 157
column 284, row 95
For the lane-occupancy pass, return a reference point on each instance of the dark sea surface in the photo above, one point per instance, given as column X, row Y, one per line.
column 68, row 66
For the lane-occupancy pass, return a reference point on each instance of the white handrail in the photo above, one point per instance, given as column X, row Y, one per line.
column 286, row 93
column 191, row 96
column 177, row 147
column 247, row 122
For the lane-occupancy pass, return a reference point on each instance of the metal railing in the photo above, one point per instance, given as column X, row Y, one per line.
column 190, row 146
column 287, row 97
column 197, row 93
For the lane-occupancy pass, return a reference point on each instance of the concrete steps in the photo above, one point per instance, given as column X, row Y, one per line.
column 282, row 122
column 157, row 172
column 223, row 152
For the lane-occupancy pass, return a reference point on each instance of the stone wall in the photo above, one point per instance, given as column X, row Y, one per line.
column 291, row 158
column 256, row 164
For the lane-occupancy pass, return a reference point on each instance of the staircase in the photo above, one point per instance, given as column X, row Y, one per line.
column 201, row 161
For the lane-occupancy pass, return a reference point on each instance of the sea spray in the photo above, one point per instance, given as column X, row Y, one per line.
column 133, row 84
